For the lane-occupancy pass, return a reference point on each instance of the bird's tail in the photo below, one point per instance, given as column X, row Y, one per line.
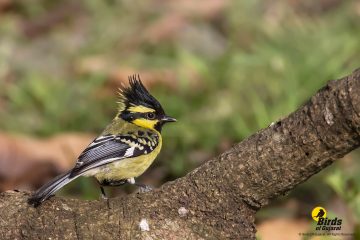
column 50, row 188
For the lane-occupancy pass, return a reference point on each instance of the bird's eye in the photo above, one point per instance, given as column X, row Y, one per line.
column 150, row 115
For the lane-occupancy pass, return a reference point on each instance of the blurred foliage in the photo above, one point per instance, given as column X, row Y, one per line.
column 237, row 66
column 346, row 183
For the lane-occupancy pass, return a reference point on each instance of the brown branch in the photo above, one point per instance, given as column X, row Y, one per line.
column 219, row 199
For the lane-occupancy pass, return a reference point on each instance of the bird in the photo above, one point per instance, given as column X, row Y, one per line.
column 124, row 150
column 320, row 214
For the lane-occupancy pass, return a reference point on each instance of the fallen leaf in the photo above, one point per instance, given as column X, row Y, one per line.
column 4, row 4
column 27, row 162
column 282, row 229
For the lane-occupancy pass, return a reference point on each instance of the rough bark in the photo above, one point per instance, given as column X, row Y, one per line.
column 219, row 199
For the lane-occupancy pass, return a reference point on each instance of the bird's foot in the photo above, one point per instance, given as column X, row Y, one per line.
column 144, row 188
column 103, row 194
column 103, row 197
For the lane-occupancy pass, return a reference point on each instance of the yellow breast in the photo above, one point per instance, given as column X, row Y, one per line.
column 128, row 168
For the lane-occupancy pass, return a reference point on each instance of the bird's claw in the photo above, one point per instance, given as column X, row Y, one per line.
column 145, row 188
column 103, row 197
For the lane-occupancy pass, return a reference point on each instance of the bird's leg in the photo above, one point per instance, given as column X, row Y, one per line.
column 142, row 187
column 103, row 194
column 107, row 183
column 114, row 183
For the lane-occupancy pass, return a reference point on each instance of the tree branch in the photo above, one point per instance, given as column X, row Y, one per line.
column 220, row 198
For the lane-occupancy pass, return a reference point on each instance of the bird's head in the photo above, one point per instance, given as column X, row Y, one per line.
column 138, row 106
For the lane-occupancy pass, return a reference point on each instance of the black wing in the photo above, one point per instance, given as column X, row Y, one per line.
column 103, row 150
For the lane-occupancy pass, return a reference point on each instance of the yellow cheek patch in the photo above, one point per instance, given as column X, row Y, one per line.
column 140, row 109
column 145, row 123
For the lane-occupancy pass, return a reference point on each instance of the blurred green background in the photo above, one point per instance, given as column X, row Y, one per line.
column 224, row 69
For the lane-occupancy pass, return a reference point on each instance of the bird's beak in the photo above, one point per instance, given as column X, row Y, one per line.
column 167, row 119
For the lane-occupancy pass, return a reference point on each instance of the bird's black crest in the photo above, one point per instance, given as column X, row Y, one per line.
column 136, row 94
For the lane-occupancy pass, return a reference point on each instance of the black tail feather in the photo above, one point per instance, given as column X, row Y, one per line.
column 49, row 189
